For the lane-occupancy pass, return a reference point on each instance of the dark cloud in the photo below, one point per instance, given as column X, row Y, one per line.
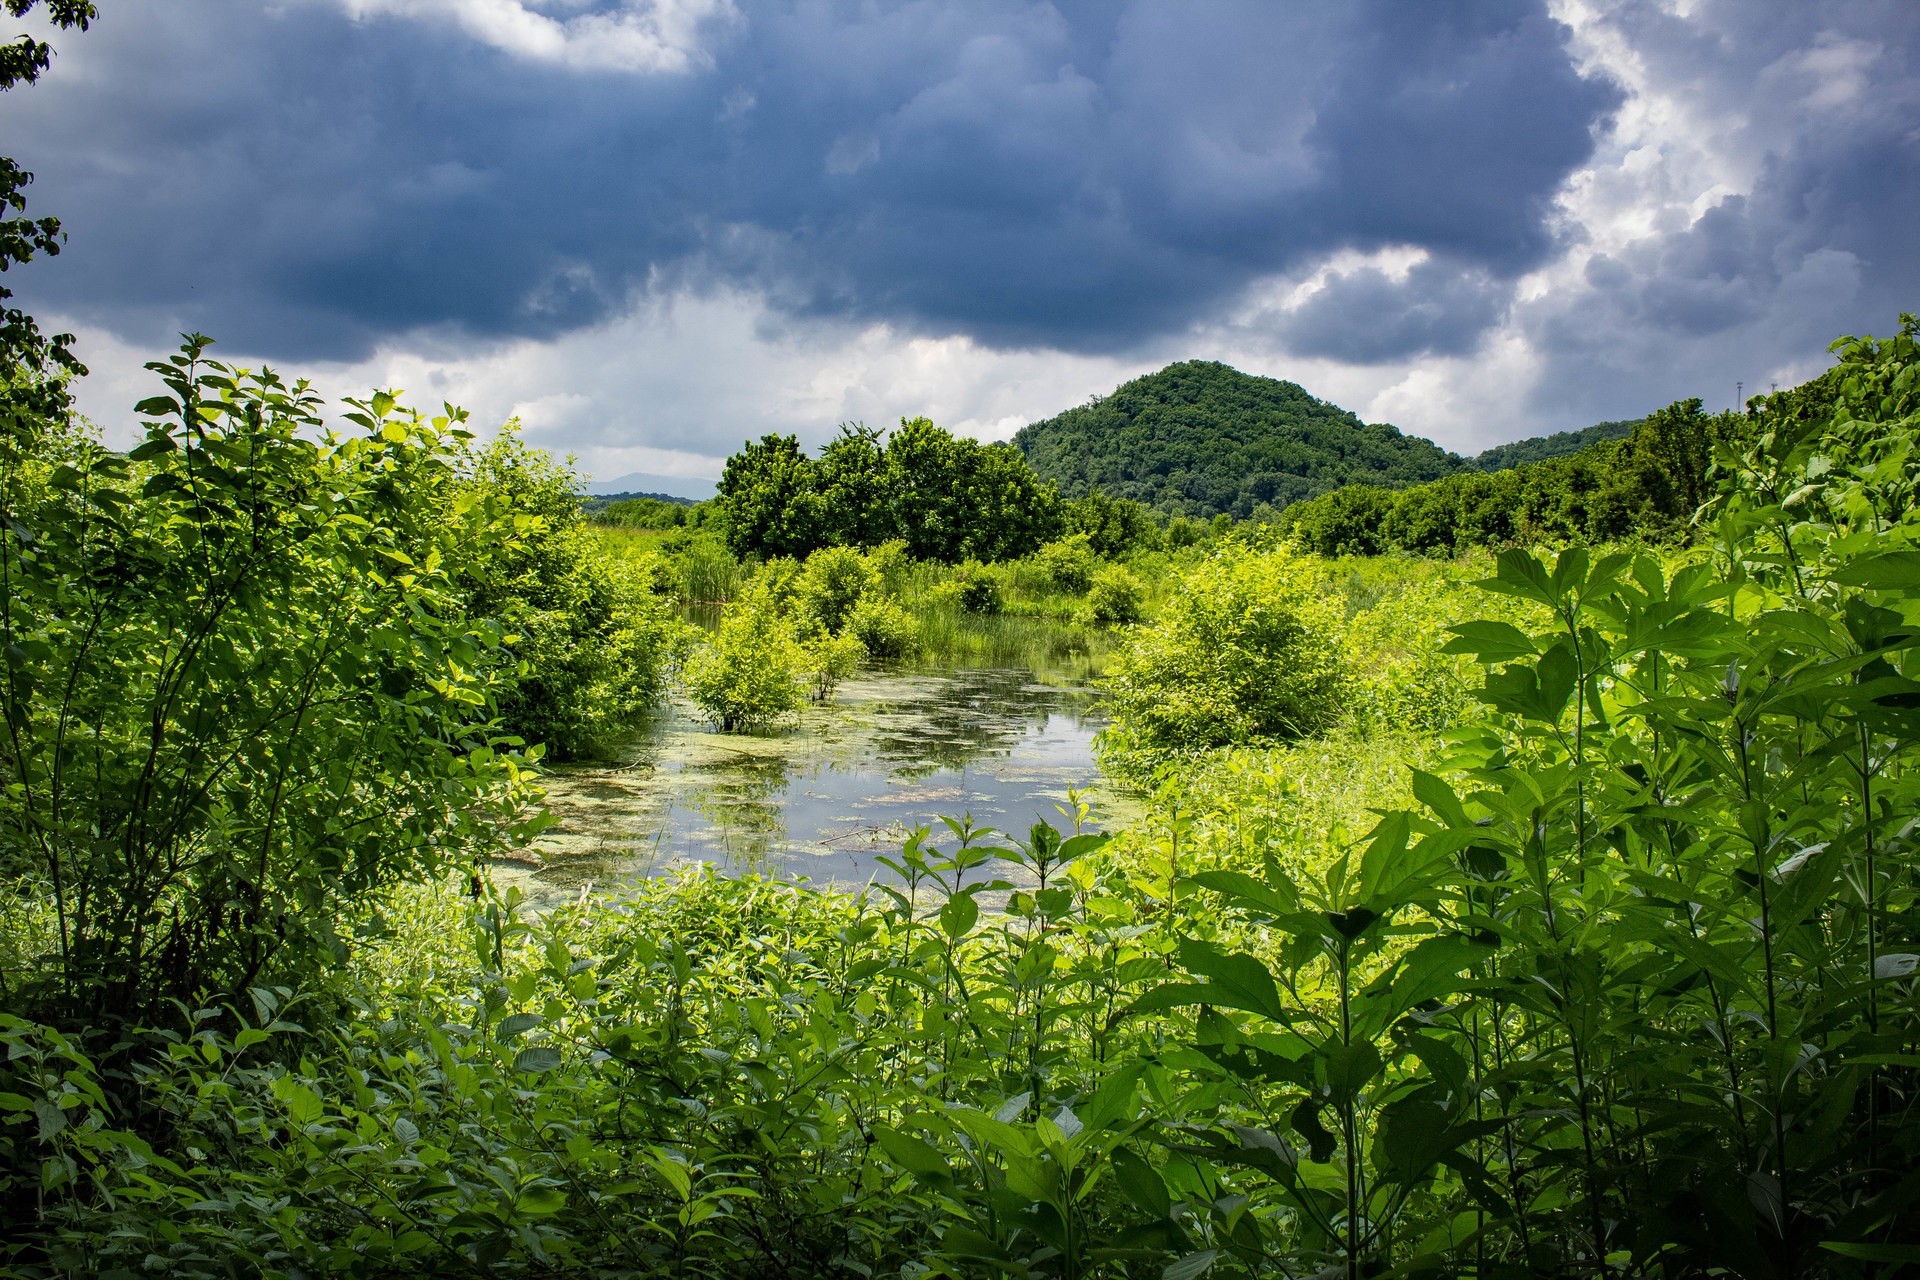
column 1367, row 317
column 1825, row 103
column 1083, row 176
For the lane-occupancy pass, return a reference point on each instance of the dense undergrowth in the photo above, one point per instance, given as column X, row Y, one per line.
column 1614, row 976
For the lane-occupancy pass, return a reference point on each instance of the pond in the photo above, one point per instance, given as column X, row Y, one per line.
column 823, row 798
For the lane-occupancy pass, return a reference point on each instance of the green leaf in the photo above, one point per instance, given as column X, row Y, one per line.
column 536, row 1060
column 158, row 407
column 1867, row 1252
column 1140, row 1184
column 1517, row 573
column 1490, row 641
column 1888, row 571
column 1434, row 793
column 1235, row 980
column 958, row 915
column 514, row 1024
column 1428, row 972
column 918, row 1157
column 303, row 1104
column 1191, row 1266
column 1250, row 894
column 541, row 1200
column 1895, row 964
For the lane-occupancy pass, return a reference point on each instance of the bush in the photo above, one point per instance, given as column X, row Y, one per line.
column 891, row 565
column 884, row 629
column 591, row 634
column 1069, row 563
column 1246, row 650
column 243, row 689
column 1115, row 598
column 831, row 659
column 1398, row 678
column 977, row 589
column 831, row 585
column 749, row 674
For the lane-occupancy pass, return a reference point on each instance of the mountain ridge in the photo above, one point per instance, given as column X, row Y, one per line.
column 1200, row 437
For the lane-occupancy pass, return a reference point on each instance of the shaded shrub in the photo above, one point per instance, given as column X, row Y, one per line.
column 1069, row 563
column 974, row 588
column 1114, row 598
column 884, row 629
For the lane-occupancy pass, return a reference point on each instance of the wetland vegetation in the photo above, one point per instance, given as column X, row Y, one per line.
column 898, row 868
column 1547, row 911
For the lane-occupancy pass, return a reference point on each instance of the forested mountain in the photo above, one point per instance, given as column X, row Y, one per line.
column 1561, row 444
column 1199, row 437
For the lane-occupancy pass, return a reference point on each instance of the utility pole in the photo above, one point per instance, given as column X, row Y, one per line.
column 1739, row 388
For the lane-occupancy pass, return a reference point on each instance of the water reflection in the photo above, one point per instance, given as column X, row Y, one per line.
column 822, row 798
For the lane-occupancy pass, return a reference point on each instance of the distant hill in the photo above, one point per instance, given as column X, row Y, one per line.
column 646, row 484
column 1561, row 444
column 1201, row 437
column 594, row 502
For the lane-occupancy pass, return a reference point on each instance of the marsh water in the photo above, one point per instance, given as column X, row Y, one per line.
column 825, row 797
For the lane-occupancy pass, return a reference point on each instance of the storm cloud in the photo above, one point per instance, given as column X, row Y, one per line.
column 653, row 227
column 319, row 176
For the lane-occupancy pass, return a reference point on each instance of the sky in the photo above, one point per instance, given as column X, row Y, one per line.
column 652, row 229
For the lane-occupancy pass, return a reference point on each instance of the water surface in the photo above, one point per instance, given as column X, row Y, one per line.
column 823, row 797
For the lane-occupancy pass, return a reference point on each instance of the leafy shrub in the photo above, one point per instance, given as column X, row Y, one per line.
column 1069, row 563
column 830, row 659
column 884, row 629
column 749, row 673
column 1114, row 599
column 1247, row 649
column 243, row 688
column 592, row 636
column 891, row 565
column 976, row 589
column 834, row 580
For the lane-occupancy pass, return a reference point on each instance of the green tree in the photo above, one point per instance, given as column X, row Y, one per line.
column 1112, row 526
column 851, row 475
column 35, row 366
column 242, row 687
column 769, row 500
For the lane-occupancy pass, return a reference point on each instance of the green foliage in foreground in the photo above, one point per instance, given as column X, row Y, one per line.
column 1623, row 982
column 241, row 688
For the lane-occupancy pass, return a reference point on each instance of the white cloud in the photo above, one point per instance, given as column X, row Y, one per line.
column 658, row 36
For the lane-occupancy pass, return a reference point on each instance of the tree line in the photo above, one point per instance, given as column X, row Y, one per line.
column 1646, row 486
column 944, row 497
